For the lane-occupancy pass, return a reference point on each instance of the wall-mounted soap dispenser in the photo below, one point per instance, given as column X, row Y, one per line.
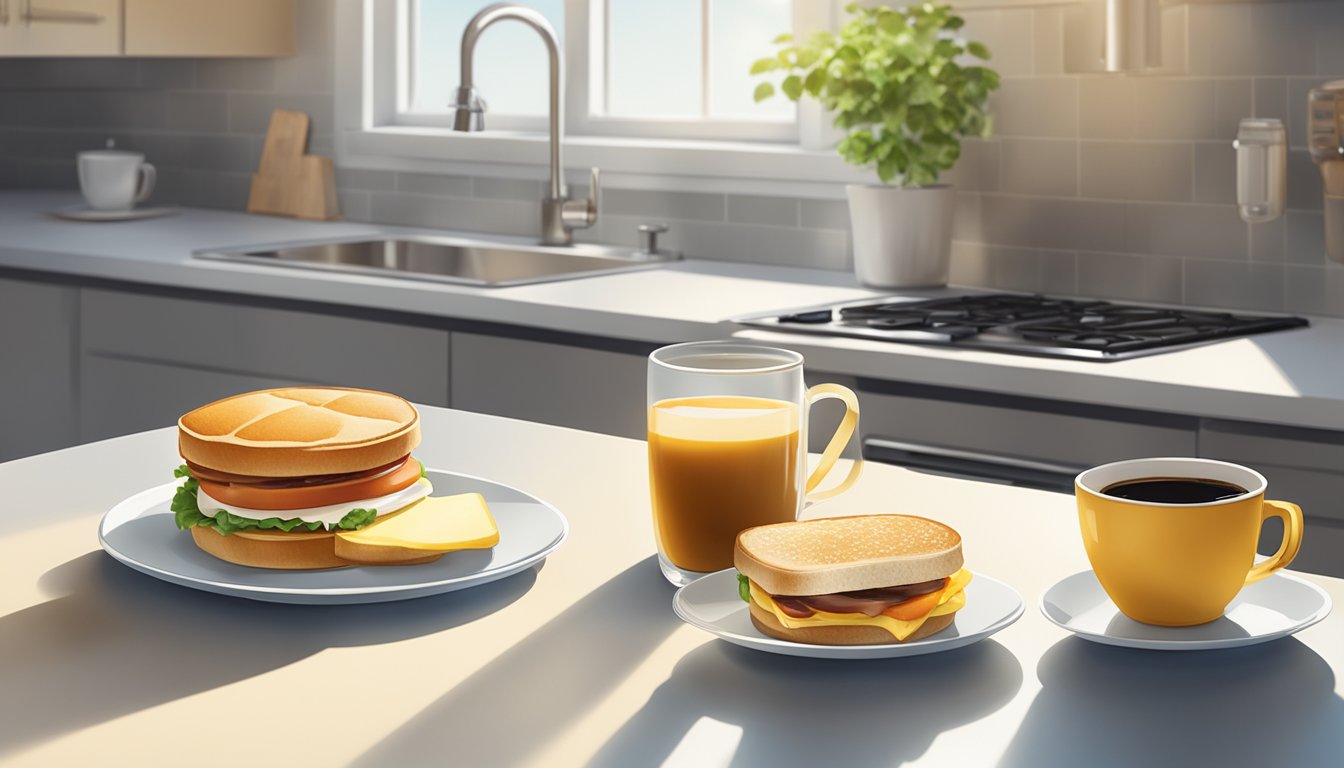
column 1262, row 169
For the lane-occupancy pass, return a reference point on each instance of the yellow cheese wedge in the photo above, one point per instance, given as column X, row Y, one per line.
column 952, row 600
column 433, row 525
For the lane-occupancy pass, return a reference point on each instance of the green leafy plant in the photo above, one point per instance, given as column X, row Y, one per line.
column 898, row 86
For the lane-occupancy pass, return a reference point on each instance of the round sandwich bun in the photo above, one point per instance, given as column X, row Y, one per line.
column 844, row 554
column 299, row 432
column 290, row 551
column 768, row 624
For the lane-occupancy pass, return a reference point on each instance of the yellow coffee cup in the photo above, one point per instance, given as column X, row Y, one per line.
column 1180, row 547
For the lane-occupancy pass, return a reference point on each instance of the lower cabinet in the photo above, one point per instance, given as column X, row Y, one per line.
column 38, row 398
column 1304, row 466
column 147, row 359
column 567, row 385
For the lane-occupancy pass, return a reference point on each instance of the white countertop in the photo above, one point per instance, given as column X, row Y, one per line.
column 1292, row 378
column 583, row 661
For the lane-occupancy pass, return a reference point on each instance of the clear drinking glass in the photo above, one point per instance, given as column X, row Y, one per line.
column 728, row 448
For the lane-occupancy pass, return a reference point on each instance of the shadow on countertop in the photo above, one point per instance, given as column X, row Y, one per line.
column 1101, row 706
column 535, row 690
column 116, row 642
column 818, row 712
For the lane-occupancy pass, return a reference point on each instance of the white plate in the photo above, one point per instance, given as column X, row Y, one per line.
column 89, row 214
column 1266, row 610
column 712, row 604
column 140, row 533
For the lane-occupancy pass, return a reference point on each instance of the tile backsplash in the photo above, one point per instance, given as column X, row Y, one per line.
column 1097, row 185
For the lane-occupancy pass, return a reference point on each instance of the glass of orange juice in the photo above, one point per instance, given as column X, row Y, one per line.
column 728, row 448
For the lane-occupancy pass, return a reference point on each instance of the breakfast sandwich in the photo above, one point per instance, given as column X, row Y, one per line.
column 273, row 477
column 867, row 580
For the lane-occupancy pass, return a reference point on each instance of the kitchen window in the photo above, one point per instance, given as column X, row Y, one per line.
column 667, row 69
column 658, row 91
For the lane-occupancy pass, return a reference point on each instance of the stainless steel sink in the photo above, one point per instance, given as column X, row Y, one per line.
column 450, row 260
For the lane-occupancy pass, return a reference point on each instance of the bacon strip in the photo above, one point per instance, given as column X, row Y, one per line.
column 869, row 602
column 205, row 473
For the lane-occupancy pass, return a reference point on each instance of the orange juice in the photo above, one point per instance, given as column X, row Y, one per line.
column 718, row 465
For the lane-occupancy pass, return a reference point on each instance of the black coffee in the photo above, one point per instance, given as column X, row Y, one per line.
column 1173, row 490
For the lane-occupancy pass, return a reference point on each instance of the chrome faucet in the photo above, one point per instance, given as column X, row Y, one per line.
column 560, row 216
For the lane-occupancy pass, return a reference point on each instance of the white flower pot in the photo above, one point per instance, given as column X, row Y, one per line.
column 902, row 235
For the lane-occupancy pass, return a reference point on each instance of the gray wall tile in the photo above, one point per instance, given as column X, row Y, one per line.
column 366, row 179
column 977, row 168
column 166, row 73
column 1269, row 240
column 677, row 205
column 1217, row 284
column 1047, row 37
column 198, row 111
column 1045, row 108
column 1129, row 276
column 1215, row 173
column 1199, row 231
column 1003, row 32
column 505, row 189
column 236, row 74
column 1039, row 166
column 1059, row 272
column 825, row 214
column 251, row 112
column 1136, row 171
column 758, row 209
column 1306, row 237
column 1314, row 290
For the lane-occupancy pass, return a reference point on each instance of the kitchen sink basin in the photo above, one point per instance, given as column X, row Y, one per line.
column 445, row 259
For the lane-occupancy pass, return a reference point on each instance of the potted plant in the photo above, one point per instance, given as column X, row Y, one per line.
column 905, row 90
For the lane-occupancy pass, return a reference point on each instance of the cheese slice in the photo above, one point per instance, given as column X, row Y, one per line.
column 953, row 599
column 434, row 524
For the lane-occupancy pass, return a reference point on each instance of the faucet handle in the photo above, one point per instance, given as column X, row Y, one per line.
column 581, row 214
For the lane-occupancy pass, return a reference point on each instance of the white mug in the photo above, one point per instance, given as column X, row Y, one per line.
column 113, row 180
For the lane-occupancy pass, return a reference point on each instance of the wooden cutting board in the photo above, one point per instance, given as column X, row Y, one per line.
column 289, row 181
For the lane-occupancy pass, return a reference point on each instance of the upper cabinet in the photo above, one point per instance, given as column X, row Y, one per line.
column 187, row 28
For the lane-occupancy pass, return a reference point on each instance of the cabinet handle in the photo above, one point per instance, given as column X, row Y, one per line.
column 972, row 465
column 58, row 16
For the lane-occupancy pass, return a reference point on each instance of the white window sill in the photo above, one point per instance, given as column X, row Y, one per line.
column 677, row 165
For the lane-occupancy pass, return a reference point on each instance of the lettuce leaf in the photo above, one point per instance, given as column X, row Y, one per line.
column 187, row 514
column 744, row 588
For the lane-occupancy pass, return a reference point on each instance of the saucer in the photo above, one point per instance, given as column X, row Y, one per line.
column 1266, row 610
column 712, row 604
column 89, row 214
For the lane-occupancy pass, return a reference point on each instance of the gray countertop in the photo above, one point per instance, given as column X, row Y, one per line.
column 1289, row 378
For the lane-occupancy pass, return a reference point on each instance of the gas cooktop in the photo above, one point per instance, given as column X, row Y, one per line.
column 1025, row 324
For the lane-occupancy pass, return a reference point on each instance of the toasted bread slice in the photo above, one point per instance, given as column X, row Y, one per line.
column 299, row 431
column 843, row 554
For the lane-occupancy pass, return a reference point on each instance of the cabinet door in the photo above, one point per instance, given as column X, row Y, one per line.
column 37, row 368
column 209, row 28
column 208, row 349
column 66, row 27
column 570, row 386
column 1304, row 466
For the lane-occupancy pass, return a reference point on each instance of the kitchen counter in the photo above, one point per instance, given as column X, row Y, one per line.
column 1288, row 378
column 583, row 661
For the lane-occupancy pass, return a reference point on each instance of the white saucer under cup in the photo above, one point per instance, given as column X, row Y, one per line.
column 1276, row 607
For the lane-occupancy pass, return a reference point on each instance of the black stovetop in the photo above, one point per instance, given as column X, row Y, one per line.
column 1027, row 324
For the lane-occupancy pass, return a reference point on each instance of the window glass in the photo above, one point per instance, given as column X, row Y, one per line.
column 653, row 58
column 740, row 33
column 510, row 64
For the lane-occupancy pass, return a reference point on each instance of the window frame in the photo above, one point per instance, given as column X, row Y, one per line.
column 371, row 77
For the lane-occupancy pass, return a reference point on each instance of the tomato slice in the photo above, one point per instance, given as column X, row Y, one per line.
column 915, row 607
column 254, row 497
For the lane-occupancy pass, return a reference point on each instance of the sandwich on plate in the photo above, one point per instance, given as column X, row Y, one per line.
column 316, row 477
column 867, row 580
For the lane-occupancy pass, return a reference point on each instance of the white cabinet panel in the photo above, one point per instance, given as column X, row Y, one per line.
column 38, row 401
column 570, row 386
